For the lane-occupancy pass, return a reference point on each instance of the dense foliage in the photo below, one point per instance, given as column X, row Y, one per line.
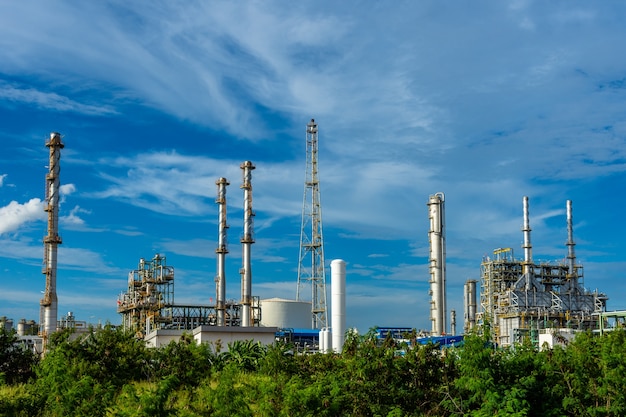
column 109, row 373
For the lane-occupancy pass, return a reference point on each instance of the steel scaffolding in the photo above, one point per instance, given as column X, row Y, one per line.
column 311, row 267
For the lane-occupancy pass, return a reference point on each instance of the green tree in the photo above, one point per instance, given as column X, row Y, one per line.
column 16, row 361
column 82, row 376
column 189, row 361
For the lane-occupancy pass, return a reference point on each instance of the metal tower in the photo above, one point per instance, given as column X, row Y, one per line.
column 49, row 308
column 311, row 262
column 247, row 240
column 222, row 250
column 437, row 260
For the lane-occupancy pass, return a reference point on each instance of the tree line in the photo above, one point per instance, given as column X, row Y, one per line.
column 110, row 373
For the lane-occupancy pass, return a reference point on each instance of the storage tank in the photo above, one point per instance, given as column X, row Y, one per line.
column 285, row 314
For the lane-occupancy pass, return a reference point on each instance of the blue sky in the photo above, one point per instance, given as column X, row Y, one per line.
column 485, row 101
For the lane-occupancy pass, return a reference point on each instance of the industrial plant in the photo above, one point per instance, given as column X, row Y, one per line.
column 521, row 299
column 518, row 299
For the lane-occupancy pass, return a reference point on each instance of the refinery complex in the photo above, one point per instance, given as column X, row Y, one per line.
column 519, row 299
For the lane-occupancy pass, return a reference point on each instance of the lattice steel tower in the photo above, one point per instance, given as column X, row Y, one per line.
column 311, row 266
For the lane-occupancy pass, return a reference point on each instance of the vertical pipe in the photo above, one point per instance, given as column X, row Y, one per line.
column 571, row 256
column 49, row 307
column 247, row 241
column 221, row 251
column 437, row 260
column 338, row 300
column 527, row 246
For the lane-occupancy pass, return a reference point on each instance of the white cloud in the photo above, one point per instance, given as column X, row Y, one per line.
column 73, row 220
column 2, row 177
column 14, row 215
column 67, row 189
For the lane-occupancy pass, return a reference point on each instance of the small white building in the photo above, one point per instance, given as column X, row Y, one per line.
column 226, row 334
column 554, row 337
column 222, row 335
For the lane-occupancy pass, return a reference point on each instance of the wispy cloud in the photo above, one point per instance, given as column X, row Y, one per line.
column 50, row 101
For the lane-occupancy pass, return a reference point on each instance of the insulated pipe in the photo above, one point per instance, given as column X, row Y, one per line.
column 437, row 260
column 49, row 307
column 528, row 248
column 246, row 242
column 221, row 251
column 571, row 256
column 338, row 299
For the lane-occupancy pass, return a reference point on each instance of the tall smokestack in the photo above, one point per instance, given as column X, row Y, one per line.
column 49, row 307
column 437, row 239
column 528, row 247
column 222, row 250
column 246, row 241
column 338, row 299
column 571, row 256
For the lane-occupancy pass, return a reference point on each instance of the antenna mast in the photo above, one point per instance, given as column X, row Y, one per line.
column 311, row 265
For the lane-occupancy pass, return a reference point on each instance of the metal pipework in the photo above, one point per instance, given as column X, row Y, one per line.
column 571, row 256
column 221, row 251
column 48, row 305
column 246, row 242
column 437, row 259
column 527, row 246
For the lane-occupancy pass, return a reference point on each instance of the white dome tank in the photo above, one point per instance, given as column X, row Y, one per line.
column 286, row 314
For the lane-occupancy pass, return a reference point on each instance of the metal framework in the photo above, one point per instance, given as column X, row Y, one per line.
column 150, row 297
column 311, row 267
column 519, row 298
column 149, row 303
column 49, row 303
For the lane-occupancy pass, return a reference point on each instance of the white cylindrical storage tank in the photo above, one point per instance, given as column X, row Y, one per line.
column 285, row 314
column 325, row 342
column 338, row 299
column 21, row 327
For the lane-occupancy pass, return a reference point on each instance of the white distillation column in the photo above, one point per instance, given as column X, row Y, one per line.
column 470, row 304
column 221, row 251
column 246, row 241
column 338, row 300
column 437, row 260
column 49, row 307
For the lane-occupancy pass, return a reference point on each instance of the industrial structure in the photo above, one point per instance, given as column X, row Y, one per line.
column 148, row 304
column 246, row 241
column 437, row 263
column 48, row 306
column 338, row 303
column 311, row 268
column 221, row 251
column 521, row 298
